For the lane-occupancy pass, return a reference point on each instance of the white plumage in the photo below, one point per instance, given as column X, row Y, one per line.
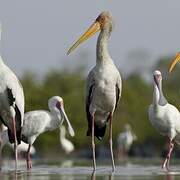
column 20, row 148
column 66, row 144
column 103, row 83
column 40, row 121
column 164, row 117
column 11, row 104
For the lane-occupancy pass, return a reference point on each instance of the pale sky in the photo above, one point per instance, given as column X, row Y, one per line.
column 37, row 33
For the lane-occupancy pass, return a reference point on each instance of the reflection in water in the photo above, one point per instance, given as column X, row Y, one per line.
column 13, row 175
column 110, row 176
column 67, row 163
column 169, row 176
column 71, row 170
column 93, row 176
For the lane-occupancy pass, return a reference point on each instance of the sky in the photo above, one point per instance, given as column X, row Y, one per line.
column 36, row 34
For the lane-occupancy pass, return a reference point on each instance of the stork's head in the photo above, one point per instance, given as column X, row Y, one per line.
column 103, row 22
column 56, row 103
column 157, row 77
column 174, row 62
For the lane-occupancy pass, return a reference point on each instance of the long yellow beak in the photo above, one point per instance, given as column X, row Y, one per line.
column 174, row 62
column 95, row 27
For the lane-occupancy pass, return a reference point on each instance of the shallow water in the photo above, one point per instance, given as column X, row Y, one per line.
column 82, row 170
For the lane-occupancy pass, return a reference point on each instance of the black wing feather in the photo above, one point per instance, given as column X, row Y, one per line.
column 117, row 96
column 11, row 98
column 11, row 101
column 88, row 102
column 98, row 131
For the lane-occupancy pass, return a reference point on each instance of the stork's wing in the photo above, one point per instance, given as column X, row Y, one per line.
column 12, row 102
column 15, row 86
column 11, row 98
column 18, row 116
column 15, row 95
column 89, row 91
column 118, row 90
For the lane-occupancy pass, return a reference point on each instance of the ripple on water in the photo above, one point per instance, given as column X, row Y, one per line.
column 129, row 171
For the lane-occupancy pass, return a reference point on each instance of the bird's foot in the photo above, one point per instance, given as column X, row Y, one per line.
column 29, row 164
column 94, row 169
column 165, row 166
column 113, row 169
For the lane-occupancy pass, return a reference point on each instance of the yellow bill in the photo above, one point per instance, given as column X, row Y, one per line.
column 95, row 27
column 174, row 62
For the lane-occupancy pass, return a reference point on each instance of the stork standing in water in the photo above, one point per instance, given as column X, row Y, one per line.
column 164, row 117
column 103, row 83
column 11, row 104
column 40, row 121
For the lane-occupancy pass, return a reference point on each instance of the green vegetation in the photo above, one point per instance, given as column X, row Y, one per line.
column 133, row 107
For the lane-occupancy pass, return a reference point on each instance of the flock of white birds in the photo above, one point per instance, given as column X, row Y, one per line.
column 103, row 93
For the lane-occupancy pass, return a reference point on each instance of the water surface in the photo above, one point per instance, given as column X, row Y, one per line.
column 81, row 170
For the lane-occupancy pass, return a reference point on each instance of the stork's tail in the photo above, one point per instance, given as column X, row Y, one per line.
column 99, row 132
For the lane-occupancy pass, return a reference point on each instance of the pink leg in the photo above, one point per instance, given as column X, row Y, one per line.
column 171, row 149
column 93, row 144
column 110, row 141
column 29, row 162
column 15, row 143
column 168, row 157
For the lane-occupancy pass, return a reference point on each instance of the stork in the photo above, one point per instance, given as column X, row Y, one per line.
column 103, row 83
column 11, row 104
column 39, row 121
column 164, row 117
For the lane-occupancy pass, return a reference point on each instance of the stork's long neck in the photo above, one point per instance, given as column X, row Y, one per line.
column 155, row 95
column 57, row 118
column 102, row 54
column 159, row 98
column 162, row 99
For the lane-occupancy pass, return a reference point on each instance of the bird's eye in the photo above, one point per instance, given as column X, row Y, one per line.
column 100, row 19
column 58, row 104
column 158, row 76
